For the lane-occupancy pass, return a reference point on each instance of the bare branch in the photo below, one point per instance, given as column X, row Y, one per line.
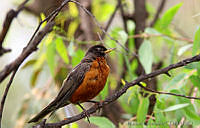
column 100, row 27
column 110, row 20
column 33, row 43
column 147, row 35
column 125, row 88
column 6, row 93
column 159, row 10
column 6, row 25
column 167, row 93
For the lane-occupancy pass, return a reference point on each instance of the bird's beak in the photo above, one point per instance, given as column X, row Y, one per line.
column 109, row 50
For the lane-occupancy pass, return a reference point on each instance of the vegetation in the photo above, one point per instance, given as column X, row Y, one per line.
column 145, row 41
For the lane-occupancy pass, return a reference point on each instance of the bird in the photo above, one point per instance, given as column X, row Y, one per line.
column 84, row 82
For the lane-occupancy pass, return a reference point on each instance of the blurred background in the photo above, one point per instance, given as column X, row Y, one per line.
column 158, row 44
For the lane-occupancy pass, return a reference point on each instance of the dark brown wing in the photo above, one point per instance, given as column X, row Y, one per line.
column 70, row 84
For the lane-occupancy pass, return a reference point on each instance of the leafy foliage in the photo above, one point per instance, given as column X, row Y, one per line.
column 64, row 48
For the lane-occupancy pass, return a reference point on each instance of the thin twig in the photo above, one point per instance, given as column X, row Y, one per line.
column 123, row 16
column 147, row 35
column 167, row 93
column 5, row 94
column 6, row 25
column 110, row 20
column 123, row 90
column 100, row 27
column 33, row 43
column 159, row 10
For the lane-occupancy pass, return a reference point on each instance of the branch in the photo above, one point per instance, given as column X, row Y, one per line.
column 123, row 17
column 101, row 28
column 6, row 93
column 30, row 48
column 33, row 43
column 124, row 89
column 6, row 25
column 110, row 20
column 167, row 93
column 147, row 35
column 159, row 10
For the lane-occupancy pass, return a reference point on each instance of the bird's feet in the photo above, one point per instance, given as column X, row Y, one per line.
column 97, row 103
column 85, row 112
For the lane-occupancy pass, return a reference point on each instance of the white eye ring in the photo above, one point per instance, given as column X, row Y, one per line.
column 98, row 49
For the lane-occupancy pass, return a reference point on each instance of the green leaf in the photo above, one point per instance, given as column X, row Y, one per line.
column 123, row 36
column 142, row 110
column 175, row 80
column 151, row 123
column 102, row 10
column 190, row 113
column 51, row 57
column 196, row 45
column 131, row 26
column 175, row 107
column 72, row 28
column 34, row 76
column 78, row 55
column 73, row 10
column 168, row 16
column 102, row 122
column 105, row 91
column 152, row 31
column 62, row 50
column 28, row 63
column 128, row 67
column 42, row 16
column 195, row 80
column 183, row 49
column 160, row 119
column 74, row 125
column 146, row 56
column 40, row 61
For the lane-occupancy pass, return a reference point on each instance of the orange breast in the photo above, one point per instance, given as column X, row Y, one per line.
column 93, row 82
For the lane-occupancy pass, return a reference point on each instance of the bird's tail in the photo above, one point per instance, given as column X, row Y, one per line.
column 48, row 109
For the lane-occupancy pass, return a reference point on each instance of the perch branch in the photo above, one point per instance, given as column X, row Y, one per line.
column 123, row 90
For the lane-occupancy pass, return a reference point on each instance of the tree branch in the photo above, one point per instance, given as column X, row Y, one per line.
column 101, row 28
column 6, row 25
column 33, row 43
column 167, row 93
column 30, row 48
column 125, row 88
column 6, row 93
column 110, row 20
column 147, row 35
column 159, row 10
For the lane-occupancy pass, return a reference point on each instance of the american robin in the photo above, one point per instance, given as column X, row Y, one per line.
column 83, row 83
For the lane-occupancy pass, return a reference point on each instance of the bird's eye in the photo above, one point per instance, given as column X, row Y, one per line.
column 98, row 49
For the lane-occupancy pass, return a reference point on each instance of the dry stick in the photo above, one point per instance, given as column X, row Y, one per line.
column 159, row 10
column 147, row 35
column 110, row 20
column 6, row 25
column 5, row 94
column 167, row 93
column 102, row 29
column 31, row 47
column 123, row 17
column 123, row 90
column 33, row 43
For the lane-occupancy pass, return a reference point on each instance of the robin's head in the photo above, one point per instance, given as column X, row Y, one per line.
column 98, row 51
